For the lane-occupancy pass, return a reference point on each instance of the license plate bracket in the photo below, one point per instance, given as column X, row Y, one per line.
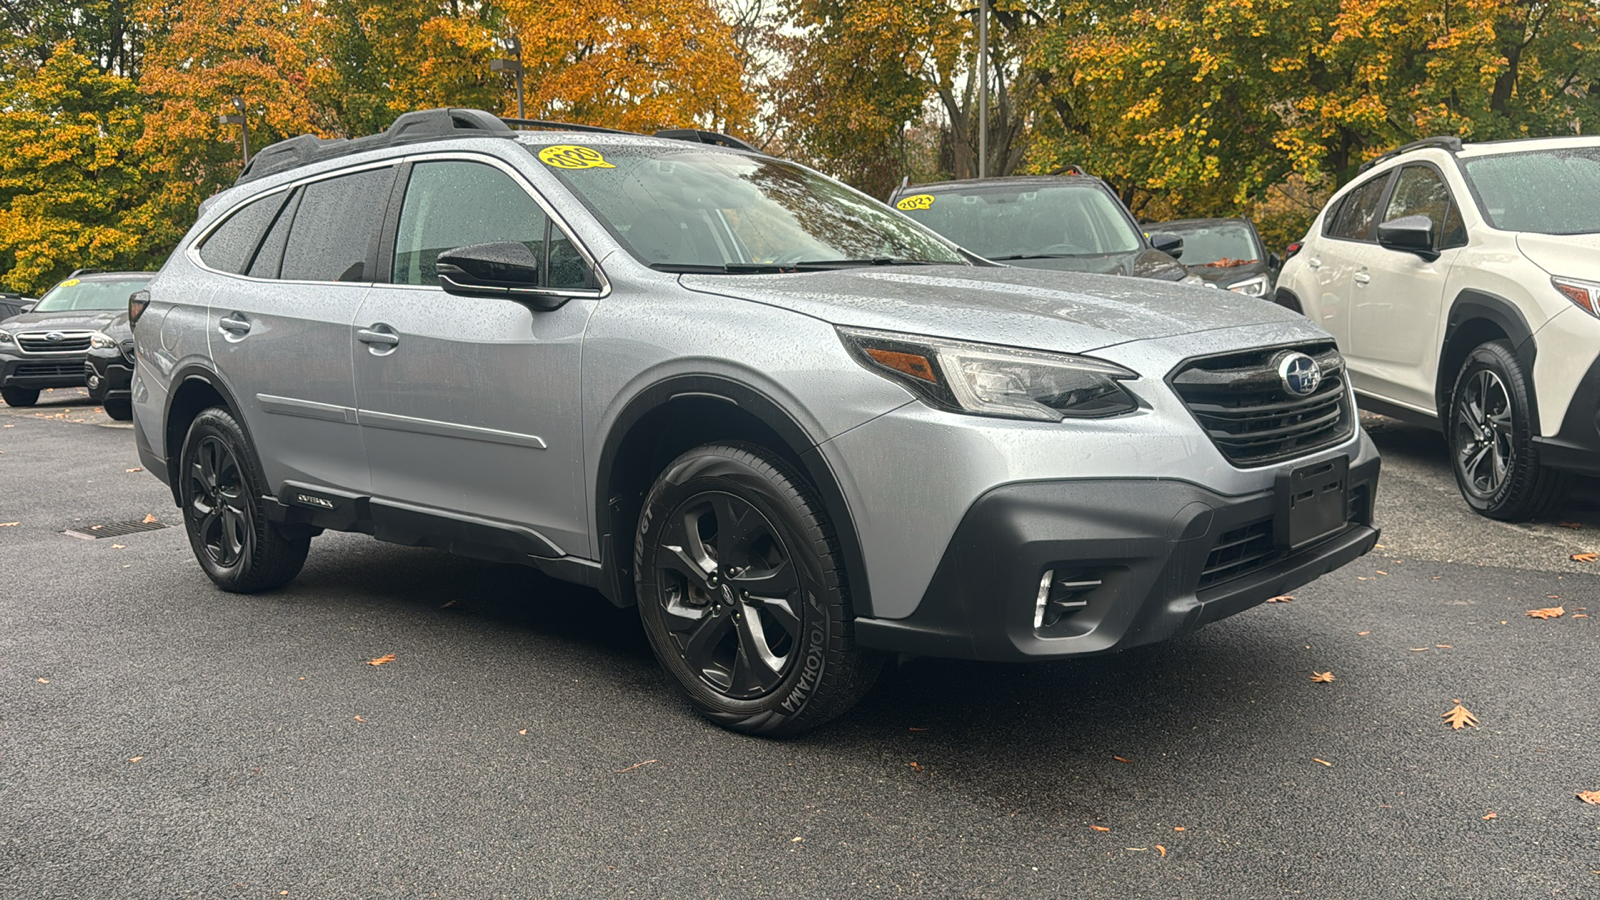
column 1311, row 503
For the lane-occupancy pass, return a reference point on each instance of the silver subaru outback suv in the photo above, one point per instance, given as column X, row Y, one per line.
column 799, row 431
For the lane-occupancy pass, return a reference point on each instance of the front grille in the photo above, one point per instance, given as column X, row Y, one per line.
column 38, row 342
column 1240, row 401
column 71, row 368
column 1240, row 552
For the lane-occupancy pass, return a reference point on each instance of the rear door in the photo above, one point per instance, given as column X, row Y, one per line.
column 1347, row 232
column 470, row 405
column 280, row 334
column 1398, row 298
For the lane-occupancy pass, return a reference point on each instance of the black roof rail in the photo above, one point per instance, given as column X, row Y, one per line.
column 422, row 125
column 563, row 126
column 1447, row 142
column 697, row 136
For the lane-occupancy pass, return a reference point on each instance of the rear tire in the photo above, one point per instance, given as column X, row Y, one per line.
column 19, row 396
column 220, row 488
column 742, row 593
column 121, row 410
column 1490, row 431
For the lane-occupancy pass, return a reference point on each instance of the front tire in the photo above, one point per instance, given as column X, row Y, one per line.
column 19, row 396
column 742, row 593
column 120, row 410
column 220, row 487
column 1490, row 432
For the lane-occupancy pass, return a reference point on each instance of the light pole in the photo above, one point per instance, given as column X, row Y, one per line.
column 244, row 127
column 514, row 66
column 983, row 88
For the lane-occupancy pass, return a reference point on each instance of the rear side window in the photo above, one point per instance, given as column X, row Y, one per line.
column 333, row 228
column 1358, row 212
column 230, row 246
column 452, row 204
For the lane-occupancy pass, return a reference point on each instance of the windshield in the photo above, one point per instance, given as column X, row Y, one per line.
column 694, row 209
column 1009, row 222
column 99, row 294
column 1220, row 246
column 1542, row 191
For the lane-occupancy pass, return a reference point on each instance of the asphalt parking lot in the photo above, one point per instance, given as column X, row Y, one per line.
column 161, row 739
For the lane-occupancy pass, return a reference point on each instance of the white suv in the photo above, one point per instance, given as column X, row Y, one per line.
column 1462, row 283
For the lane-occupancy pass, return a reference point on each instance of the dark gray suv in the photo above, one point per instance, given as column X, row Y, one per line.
column 800, row 431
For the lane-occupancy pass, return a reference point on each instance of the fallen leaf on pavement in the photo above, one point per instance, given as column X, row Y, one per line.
column 915, row 766
column 1321, row 677
column 1380, row 571
column 44, row 681
column 135, row 759
column 378, row 661
column 134, row 469
column 645, row 763
column 150, row 519
column 1488, row 816
column 1362, row 633
column 1162, row 850
column 1459, row 716
column 1282, row 598
column 1444, row 646
column 1122, row 759
column 1549, row 612
column 1417, row 649
column 8, row 524
column 1585, row 557
column 1098, row 828
column 915, row 728
column 359, row 719
column 448, row 603
column 1323, row 761
column 1177, row 828
column 1589, row 796
column 523, row 731
column 119, row 546
column 1580, row 615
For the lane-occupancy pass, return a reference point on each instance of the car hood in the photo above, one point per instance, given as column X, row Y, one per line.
column 1143, row 263
column 1063, row 311
column 65, row 320
column 1565, row 255
column 1222, row 276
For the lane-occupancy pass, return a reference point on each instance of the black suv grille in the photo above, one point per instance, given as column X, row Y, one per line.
column 70, row 342
column 1241, row 402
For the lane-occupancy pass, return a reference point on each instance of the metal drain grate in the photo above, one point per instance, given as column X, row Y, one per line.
column 112, row 529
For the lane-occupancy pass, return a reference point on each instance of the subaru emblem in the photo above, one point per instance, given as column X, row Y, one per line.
column 55, row 337
column 1300, row 374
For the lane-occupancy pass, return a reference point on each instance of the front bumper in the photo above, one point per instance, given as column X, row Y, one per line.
column 108, row 377
column 1168, row 558
column 1576, row 447
column 42, row 371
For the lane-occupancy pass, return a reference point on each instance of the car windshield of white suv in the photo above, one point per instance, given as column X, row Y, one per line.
column 1539, row 191
column 1219, row 246
column 695, row 209
column 1034, row 222
column 73, row 294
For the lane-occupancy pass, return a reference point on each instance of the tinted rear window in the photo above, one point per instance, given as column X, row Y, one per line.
column 334, row 226
column 230, row 246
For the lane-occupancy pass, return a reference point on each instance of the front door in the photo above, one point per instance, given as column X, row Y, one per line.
column 468, row 405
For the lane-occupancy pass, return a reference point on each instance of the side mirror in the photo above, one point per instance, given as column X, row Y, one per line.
column 507, row 269
column 1274, row 261
column 1409, row 234
column 28, row 305
column 1167, row 243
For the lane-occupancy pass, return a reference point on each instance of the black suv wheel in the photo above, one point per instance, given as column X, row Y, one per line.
column 1490, row 431
column 742, row 593
column 19, row 396
column 221, row 488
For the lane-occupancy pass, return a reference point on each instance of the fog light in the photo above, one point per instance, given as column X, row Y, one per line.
column 94, row 381
column 1061, row 597
column 1044, row 598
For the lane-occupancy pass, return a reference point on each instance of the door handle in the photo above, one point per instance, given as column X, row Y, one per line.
column 1313, row 263
column 373, row 336
column 234, row 324
column 1362, row 278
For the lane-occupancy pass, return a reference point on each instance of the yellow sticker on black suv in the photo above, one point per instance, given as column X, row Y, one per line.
column 916, row 201
column 571, row 156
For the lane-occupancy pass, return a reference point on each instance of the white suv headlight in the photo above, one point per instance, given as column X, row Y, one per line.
column 989, row 380
column 1584, row 294
column 1250, row 287
column 102, row 341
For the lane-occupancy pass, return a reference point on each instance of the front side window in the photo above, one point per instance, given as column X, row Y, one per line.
column 453, row 203
column 1357, row 216
column 334, row 227
column 1419, row 191
column 699, row 209
column 75, row 294
column 1539, row 191
column 1029, row 221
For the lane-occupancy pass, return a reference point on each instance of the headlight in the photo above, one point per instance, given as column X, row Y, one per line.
column 1250, row 287
column 102, row 341
column 1192, row 278
column 5, row 337
column 1584, row 294
column 987, row 380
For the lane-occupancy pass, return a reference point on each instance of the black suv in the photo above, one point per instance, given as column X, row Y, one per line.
column 47, row 347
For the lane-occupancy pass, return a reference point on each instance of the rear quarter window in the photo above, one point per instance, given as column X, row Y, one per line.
column 229, row 247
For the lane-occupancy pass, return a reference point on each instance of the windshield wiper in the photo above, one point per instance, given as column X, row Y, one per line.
column 815, row 264
column 1034, row 256
column 722, row 268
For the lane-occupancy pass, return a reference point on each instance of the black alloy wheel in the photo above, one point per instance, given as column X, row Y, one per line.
column 220, row 490
column 1490, row 432
column 742, row 593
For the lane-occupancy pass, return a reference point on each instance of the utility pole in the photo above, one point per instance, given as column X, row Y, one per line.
column 514, row 66
column 244, row 127
column 983, row 88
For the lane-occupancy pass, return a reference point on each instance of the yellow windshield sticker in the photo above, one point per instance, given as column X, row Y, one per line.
column 70, row 282
column 916, row 201
column 571, row 156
